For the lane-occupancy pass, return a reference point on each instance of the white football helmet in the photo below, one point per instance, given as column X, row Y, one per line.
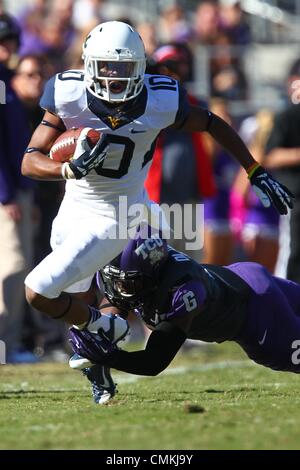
column 114, row 62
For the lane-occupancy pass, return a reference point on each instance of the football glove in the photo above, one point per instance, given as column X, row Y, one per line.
column 86, row 159
column 270, row 191
column 91, row 346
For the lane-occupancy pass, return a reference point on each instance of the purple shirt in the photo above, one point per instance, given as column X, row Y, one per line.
column 14, row 137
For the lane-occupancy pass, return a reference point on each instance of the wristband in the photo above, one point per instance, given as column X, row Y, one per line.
column 32, row 149
column 252, row 169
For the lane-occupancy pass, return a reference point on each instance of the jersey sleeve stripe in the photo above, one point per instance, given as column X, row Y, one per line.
column 163, row 87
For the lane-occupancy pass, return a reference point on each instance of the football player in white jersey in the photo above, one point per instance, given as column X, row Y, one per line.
column 113, row 95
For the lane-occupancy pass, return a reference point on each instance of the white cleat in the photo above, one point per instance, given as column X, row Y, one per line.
column 78, row 362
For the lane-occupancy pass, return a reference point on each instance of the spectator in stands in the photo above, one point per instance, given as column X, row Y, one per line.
column 50, row 32
column 148, row 34
column 31, row 20
column 260, row 225
column 207, row 22
column 179, row 157
column 57, row 37
column 87, row 12
column 32, row 14
column 227, row 76
column 62, row 10
column 218, row 237
column 283, row 155
column 15, row 201
column 173, row 25
column 28, row 84
column 233, row 22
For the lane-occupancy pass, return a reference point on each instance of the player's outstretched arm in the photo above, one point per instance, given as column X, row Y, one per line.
column 270, row 191
column 36, row 163
column 161, row 348
column 200, row 119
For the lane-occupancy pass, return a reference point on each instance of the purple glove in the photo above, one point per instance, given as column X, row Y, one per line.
column 90, row 345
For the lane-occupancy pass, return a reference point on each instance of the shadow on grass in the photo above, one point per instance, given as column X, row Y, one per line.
column 10, row 394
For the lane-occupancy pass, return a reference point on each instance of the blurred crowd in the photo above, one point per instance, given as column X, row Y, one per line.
column 47, row 38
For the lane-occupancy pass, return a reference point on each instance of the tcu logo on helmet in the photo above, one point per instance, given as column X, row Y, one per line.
column 150, row 248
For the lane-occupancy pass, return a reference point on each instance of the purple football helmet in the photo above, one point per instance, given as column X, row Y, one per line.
column 131, row 278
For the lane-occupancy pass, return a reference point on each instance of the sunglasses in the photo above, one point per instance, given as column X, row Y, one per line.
column 31, row 74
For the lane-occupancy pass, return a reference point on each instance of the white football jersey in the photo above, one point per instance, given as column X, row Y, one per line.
column 133, row 127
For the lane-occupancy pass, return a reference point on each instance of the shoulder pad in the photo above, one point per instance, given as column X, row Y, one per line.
column 65, row 94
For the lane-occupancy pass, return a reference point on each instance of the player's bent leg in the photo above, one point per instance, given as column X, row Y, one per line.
column 90, row 296
column 66, row 307
column 83, row 251
column 76, row 259
column 270, row 335
column 291, row 290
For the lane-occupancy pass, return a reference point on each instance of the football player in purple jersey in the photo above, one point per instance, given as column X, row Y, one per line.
column 179, row 299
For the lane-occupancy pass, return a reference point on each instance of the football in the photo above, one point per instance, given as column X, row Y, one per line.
column 64, row 147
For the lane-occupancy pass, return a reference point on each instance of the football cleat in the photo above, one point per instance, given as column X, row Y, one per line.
column 78, row 362
column 103, row 386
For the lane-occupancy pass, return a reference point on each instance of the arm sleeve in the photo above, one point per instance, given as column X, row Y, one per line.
column 162, row 346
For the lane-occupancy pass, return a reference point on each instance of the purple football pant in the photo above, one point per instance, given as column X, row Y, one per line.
column 271, row 333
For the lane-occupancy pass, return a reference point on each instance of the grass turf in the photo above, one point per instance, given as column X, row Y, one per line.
column 200, row 403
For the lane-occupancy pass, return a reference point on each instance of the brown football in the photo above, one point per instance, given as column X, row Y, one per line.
column 64, row 147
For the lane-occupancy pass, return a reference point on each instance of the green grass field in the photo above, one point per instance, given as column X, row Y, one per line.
column 48, row 406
